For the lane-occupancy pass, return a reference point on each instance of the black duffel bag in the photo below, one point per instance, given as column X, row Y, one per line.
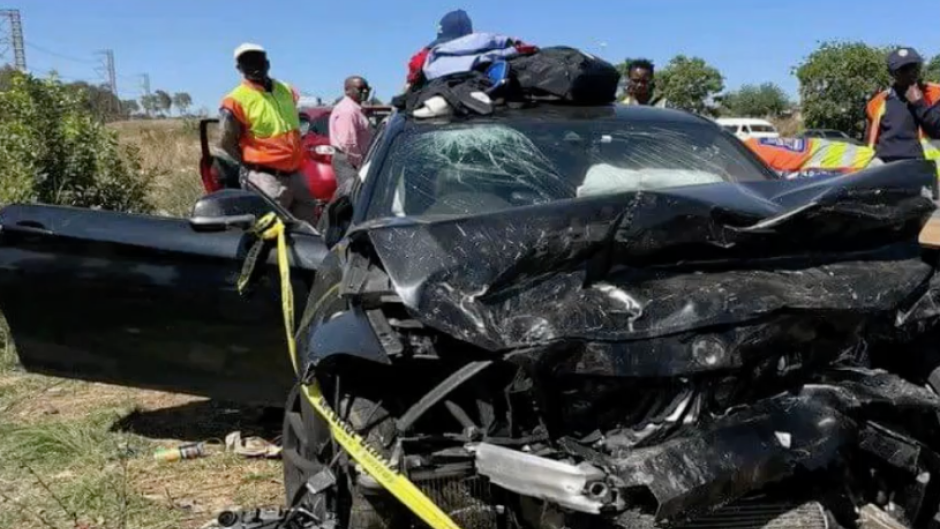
column 565, row 74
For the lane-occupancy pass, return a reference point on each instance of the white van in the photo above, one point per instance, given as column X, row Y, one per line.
column 745, row 128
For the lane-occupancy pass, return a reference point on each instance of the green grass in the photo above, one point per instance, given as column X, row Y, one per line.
column 68, row 471
column 8, row 360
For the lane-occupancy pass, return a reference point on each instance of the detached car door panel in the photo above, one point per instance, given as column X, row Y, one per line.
column 144, row 301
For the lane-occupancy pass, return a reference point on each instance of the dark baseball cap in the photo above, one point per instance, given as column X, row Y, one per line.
column 453, row 25
column 902, row 57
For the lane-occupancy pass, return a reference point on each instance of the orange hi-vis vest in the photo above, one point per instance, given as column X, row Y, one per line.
column 875, row 110
column 793, row 155
column 271, row 124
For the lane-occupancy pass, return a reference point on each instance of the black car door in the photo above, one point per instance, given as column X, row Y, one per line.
column 145, row 301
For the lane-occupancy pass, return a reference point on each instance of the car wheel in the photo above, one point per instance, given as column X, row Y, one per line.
column 307, row 449
column 304, row 435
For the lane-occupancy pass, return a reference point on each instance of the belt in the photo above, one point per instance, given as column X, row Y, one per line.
column 268, row 170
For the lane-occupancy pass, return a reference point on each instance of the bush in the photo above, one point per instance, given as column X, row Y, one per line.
column 836, row 82
column 54, row 151
column 766, row 100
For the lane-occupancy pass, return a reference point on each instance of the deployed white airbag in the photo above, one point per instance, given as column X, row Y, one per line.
column 605, row 179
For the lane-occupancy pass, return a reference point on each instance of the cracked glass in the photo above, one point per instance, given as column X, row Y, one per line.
column 482, row 167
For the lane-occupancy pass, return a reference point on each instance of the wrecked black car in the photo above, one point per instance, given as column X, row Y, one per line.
column 547, row 317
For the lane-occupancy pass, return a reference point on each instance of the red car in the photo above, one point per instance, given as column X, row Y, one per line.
column 220, row 172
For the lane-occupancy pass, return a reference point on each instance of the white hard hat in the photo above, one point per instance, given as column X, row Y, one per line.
column 246, row 47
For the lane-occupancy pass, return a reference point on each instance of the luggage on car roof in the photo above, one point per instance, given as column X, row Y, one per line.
column 466, row 54
column 565, row 74
column 472, row 77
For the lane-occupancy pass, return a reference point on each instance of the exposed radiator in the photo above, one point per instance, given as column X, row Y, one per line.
column 763, row 514
column 468, row 500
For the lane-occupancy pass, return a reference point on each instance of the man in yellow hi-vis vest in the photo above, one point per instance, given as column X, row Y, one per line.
column 261, row 129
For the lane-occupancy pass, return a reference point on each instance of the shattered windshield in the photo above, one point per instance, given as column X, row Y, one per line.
column 471, row 168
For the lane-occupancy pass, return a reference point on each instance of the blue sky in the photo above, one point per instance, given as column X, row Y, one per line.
column 186, row 45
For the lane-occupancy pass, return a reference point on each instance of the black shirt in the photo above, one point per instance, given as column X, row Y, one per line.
column 898, row 138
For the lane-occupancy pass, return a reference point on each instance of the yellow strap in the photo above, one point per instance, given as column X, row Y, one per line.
column 268, row 228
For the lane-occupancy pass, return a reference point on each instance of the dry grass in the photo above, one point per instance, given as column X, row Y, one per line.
column 788, row 127
column 169, row 150
column 74, row 451
column 76, row 454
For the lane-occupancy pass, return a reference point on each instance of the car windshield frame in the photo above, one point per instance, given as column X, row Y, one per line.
column 381, row 193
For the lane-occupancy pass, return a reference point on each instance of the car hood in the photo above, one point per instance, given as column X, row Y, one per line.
column 641, row 265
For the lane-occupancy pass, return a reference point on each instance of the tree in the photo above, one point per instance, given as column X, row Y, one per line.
column 149, row 104
column 690, row 83
column 163, row 101
column 54, row 150
column 7, row 73
column 766, row 100
column 130, row 106
column 182, row 101
column 836, row 82
column 98, row 100
column 932, row 70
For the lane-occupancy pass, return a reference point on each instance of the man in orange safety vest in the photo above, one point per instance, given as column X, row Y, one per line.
column 261, row 129
column 902, row 118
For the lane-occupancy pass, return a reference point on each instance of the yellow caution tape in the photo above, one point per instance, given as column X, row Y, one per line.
column 270, row 227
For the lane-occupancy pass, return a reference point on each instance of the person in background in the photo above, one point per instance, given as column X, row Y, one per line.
column 260, row 128
column 350, row 133
column 901, row 118
column 641, row 84
column 453, row 25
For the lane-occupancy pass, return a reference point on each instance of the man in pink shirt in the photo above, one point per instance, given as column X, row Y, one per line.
column 350, row 133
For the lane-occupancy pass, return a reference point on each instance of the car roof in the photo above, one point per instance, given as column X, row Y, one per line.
column 556, row 112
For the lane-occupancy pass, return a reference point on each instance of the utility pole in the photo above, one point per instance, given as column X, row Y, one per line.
column 145, row 83
column 11, row 37
column 145, row 100
column 106, row 70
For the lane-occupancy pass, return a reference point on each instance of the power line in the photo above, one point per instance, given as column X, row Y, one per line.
column 12, row 38
column 58, row 55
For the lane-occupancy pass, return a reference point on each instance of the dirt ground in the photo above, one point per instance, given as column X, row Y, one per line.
column 76, row 454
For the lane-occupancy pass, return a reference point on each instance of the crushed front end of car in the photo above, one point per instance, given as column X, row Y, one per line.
column 739, row 356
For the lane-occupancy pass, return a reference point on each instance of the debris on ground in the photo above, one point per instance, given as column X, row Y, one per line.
column 251, row 446
column 184, row 451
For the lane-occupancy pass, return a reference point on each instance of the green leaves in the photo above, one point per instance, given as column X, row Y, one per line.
column 54, row 150
column 690, row 83
column 765, row 101
column 932, row 70
column 836, row 82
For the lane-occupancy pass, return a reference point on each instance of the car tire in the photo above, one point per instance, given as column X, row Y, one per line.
column 307, row 449
column 303, row 435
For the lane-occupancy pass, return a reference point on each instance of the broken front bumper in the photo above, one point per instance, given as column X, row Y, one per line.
column 735, row 456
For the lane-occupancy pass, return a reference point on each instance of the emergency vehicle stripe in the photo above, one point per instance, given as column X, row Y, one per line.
column 839, row 155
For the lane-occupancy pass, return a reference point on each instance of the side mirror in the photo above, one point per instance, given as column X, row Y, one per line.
column 228, row 208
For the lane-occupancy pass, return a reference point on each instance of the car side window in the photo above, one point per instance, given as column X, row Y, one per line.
column 376, row 139
column 321, row 126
